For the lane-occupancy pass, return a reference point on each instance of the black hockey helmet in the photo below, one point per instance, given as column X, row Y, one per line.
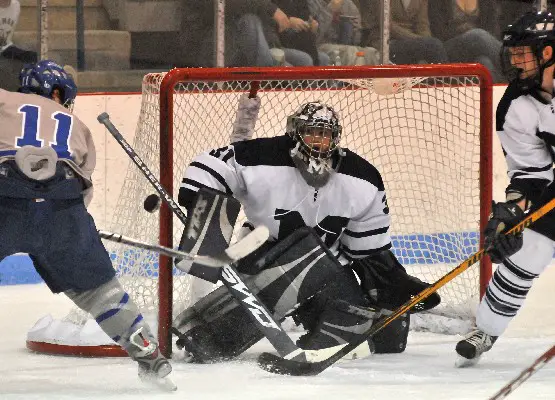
column 535, row 30
column 314, row 118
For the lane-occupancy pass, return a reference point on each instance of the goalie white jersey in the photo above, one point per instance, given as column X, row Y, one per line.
column 350, row 212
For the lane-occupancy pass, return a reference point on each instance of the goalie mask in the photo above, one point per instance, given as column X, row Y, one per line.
column 522, row 51
column 316, row 131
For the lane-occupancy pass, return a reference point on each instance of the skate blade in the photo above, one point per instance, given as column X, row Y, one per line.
column 462, row 362
column 165, row 383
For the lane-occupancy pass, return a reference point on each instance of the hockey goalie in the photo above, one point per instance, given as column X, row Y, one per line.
column 327, row 263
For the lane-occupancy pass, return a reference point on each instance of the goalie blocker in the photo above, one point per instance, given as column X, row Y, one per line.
column 297, row 276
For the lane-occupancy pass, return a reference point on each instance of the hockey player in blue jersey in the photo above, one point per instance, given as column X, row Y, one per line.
column 47, row 156
column 315, row 198
column 526, row 128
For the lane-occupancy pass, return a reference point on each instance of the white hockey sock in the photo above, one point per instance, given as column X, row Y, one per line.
column 511, row 282
column 113, row 309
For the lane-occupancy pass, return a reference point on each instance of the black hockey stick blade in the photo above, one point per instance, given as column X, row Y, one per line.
column 272, row 363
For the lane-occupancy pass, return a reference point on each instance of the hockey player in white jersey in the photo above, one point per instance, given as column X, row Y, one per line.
column 526, row 128
column 47, row 156
column 309, row 192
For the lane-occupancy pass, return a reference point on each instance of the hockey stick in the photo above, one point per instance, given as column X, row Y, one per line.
column 104, row 119
column 272, row 363
column 229, row 276
column 524, row 375
column 233, row 253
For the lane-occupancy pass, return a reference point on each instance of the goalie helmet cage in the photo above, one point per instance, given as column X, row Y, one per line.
column 427, row 128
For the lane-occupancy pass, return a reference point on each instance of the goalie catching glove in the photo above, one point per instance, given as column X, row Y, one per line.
column 503, row 217
column 388, row 285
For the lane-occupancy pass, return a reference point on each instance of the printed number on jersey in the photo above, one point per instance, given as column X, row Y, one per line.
column 223, row 153
column 30, row 130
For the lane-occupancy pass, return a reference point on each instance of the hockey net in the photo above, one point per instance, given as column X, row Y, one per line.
column 427, row 129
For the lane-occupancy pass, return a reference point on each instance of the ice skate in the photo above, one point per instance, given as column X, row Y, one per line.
column 154, row 368
column 472, row 347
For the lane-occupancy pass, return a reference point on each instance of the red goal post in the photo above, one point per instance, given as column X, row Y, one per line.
column 427, row 128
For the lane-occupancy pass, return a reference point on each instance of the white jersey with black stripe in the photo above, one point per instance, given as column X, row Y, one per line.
column 529, row 152
column 350, row 212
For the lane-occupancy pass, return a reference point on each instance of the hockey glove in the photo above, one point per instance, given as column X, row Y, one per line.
column 498, row 245
column 388, row 285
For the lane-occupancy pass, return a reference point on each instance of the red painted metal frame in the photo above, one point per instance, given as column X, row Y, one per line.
column 76, row 351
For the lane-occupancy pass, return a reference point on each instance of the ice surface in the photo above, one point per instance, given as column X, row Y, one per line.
column 424, row 372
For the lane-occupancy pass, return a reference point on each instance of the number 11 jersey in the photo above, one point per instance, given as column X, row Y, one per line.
column 33, row 120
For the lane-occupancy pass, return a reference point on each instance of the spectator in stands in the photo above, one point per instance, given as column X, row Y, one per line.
column 511, row 10
column 366, row 21
column 469, row 31
column 246, row 44
column 411, row 40
column 12, row 58
column 299, row 41
column 340, row 30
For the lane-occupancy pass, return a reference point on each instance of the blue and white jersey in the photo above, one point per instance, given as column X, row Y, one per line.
column 350, row 212
column 32, row 120
column 529, row 149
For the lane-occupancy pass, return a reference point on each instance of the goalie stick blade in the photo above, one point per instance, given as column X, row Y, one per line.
column 248, row 244
column 277, row 365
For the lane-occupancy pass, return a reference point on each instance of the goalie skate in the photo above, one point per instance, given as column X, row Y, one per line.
column 471, row 348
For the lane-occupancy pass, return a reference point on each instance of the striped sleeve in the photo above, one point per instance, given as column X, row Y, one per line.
column 369, row 232
column 215, row 169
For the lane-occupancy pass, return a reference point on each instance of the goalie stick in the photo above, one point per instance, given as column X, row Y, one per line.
column 524, row 375
column 233, row 253
column 271, row 329
column 272, row 363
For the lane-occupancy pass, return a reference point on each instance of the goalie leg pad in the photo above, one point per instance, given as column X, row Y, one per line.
column 208, row 230
column 392, row 338
column 216, row 328
column 296, row 269
column 337, row 322
column 331, row 302
column 283, row 275
column 113, row 310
